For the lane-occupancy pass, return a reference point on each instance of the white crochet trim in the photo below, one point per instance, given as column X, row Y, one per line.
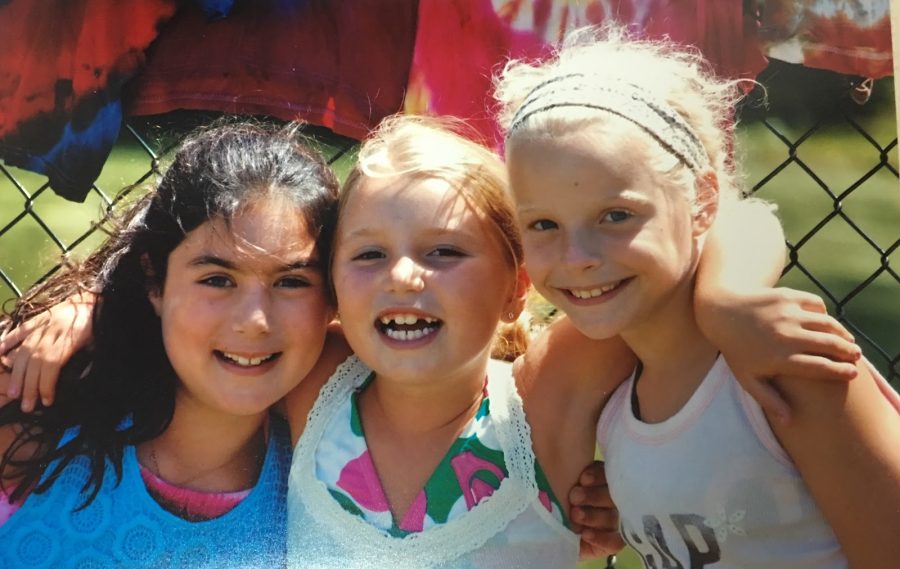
column 438, row 544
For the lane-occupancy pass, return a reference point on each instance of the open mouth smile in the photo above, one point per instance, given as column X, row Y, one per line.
column 407, row 327
column 244, row 361
column 596, row 293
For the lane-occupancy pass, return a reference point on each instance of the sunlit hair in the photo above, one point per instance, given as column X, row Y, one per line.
column 123, row 392
column 663, row 70
column 409, row 148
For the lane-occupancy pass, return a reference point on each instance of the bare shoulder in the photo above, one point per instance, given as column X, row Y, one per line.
column 7, row 437
column 561, row 359
column 843, row 440
column 301, row 399
column 8, row 441
column 565, row 380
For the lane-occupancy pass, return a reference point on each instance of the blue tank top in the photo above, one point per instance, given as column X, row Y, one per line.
column 125, row 527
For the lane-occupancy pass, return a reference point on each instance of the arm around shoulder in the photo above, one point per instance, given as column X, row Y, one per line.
column 843, row 439
column 300, row 400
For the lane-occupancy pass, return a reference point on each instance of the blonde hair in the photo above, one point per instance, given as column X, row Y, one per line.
column 607, row 57
column 420, row 148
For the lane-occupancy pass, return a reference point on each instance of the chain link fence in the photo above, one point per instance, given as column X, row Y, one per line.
column 829, row 164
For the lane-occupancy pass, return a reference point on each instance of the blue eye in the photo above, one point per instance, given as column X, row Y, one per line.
column 543, row 225
column 217, row 281
column 617, row 216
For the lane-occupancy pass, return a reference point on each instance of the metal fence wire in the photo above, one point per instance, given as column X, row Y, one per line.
column 788, row 155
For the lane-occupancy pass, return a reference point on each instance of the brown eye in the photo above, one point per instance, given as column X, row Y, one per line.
column 217, row 281
column 292, row 282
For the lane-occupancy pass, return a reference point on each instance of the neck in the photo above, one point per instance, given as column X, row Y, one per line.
column 674, row 353
column 427, row 407
column 207, row 450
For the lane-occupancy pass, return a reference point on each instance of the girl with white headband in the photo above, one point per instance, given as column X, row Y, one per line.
column 618, row 154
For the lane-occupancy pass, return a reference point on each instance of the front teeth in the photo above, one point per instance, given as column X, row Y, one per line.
column 240, row 360
column 406, row 335
column 594, row 292
column 397, row 326
column 408, row 319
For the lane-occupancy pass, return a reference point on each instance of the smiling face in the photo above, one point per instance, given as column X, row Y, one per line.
column 607, row 239
column 243, row 310
column 421, row 278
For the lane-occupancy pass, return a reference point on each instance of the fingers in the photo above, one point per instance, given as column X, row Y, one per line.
column 811, row 366
column 596, row 544
column 806, row 300
column 26, row 368
column 830, row 346
column 594, row 474
column 30, row 384
column 9, row 339
column 591, row 496
column 593, row 508
column 12, row 338
column 599, row 519
column 829, row 325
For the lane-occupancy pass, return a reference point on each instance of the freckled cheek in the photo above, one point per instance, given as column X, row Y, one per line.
column 349, row 284
column 537, row 262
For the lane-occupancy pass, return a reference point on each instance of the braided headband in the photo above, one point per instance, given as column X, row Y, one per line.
column 628, row 101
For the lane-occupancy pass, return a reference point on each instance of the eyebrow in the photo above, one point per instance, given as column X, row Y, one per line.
column 201, row 260
column 370, row 232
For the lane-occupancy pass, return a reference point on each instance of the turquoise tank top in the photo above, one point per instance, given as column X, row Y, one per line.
column 125, row 527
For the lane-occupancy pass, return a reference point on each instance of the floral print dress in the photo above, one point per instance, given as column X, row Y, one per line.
column 472, row 470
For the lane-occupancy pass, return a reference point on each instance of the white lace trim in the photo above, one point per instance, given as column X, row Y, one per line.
column 438, row 544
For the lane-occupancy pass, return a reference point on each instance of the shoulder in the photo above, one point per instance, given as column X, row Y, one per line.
column 301, row 399
column 842, row 437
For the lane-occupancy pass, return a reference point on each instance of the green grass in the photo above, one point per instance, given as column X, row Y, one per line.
column 836, row 255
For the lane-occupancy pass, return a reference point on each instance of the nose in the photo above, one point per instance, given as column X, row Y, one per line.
column 582, row 250
column 252, row 315
column 406, row 275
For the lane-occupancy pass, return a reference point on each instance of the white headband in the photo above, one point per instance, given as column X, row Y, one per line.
column 628, row 101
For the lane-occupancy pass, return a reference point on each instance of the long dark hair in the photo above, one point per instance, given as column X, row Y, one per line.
column 214, row 173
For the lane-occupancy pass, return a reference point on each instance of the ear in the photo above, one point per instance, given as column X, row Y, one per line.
column 516, row 301
column 707, row 201
column 154, row 293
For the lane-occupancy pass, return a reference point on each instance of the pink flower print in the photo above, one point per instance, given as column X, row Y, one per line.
column 544, row 498
column 360, row 480
column 414, row 520
column 466, row 465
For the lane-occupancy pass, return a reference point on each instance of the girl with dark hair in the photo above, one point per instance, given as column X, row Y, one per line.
column 160, row 451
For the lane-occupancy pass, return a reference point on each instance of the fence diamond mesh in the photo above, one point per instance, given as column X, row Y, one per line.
column 833, row 174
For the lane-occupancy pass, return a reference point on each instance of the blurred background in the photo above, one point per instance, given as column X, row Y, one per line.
column 817, row 137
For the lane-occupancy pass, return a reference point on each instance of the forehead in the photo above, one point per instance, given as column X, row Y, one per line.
column 259, row 231
column 614, row 154
column 399, row 199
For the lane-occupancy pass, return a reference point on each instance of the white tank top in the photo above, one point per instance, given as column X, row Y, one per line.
column 509, row 529
column 711, row 487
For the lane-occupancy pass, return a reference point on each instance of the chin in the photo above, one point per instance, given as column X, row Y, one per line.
column 596, row 330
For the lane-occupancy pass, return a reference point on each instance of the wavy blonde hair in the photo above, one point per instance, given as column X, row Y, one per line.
column 664, row 70
column 420, row 148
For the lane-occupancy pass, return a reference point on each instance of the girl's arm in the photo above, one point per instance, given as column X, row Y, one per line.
column 843, row 438
column 32, row 354
column 564, row 379
column 763, row 332
column 300, row 400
